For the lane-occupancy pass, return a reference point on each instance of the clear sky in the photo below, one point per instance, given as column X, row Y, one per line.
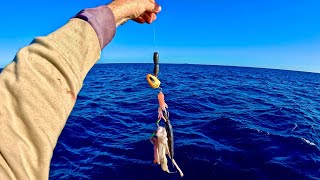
column 282, row 34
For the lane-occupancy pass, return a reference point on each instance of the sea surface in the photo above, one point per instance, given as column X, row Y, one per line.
column 228, row 122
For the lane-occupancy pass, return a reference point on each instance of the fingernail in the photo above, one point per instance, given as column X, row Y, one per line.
column 158, row 8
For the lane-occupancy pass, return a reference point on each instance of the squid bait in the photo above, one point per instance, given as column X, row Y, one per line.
column 164, row 114
column 154, row 141
column 161, row 149
column 162, row 106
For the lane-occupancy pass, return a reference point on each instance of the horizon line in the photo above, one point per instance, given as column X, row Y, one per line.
column 294, row 70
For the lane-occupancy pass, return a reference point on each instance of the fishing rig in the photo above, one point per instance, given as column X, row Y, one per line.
column 164, row 143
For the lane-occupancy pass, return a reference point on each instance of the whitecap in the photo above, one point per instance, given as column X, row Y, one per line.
column 309, row 142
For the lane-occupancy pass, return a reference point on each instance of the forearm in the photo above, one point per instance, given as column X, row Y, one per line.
column 37, row 93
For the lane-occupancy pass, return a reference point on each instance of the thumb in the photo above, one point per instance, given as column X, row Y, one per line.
column 153, row 7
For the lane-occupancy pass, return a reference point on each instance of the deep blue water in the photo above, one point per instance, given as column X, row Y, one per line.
column 229, row 123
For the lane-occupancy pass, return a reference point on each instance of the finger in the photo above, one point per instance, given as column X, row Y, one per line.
column 153, row 7
column 152, row 15
column 147, row 18
column 139, row 20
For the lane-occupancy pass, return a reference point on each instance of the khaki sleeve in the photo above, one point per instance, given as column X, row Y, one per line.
column 37, row 93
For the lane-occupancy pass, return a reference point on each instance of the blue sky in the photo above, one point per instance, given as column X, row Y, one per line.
column 282, row 34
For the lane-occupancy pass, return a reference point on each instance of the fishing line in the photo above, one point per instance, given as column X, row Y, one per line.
column 154, row 36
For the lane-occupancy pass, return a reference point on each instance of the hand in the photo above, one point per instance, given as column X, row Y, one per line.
column 140, row 11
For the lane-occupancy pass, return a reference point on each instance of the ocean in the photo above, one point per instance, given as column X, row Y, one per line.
column 228, row 122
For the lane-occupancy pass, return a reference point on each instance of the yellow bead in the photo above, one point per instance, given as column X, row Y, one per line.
column 153, row 81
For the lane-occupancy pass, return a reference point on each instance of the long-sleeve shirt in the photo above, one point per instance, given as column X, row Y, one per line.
column 38, row 90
